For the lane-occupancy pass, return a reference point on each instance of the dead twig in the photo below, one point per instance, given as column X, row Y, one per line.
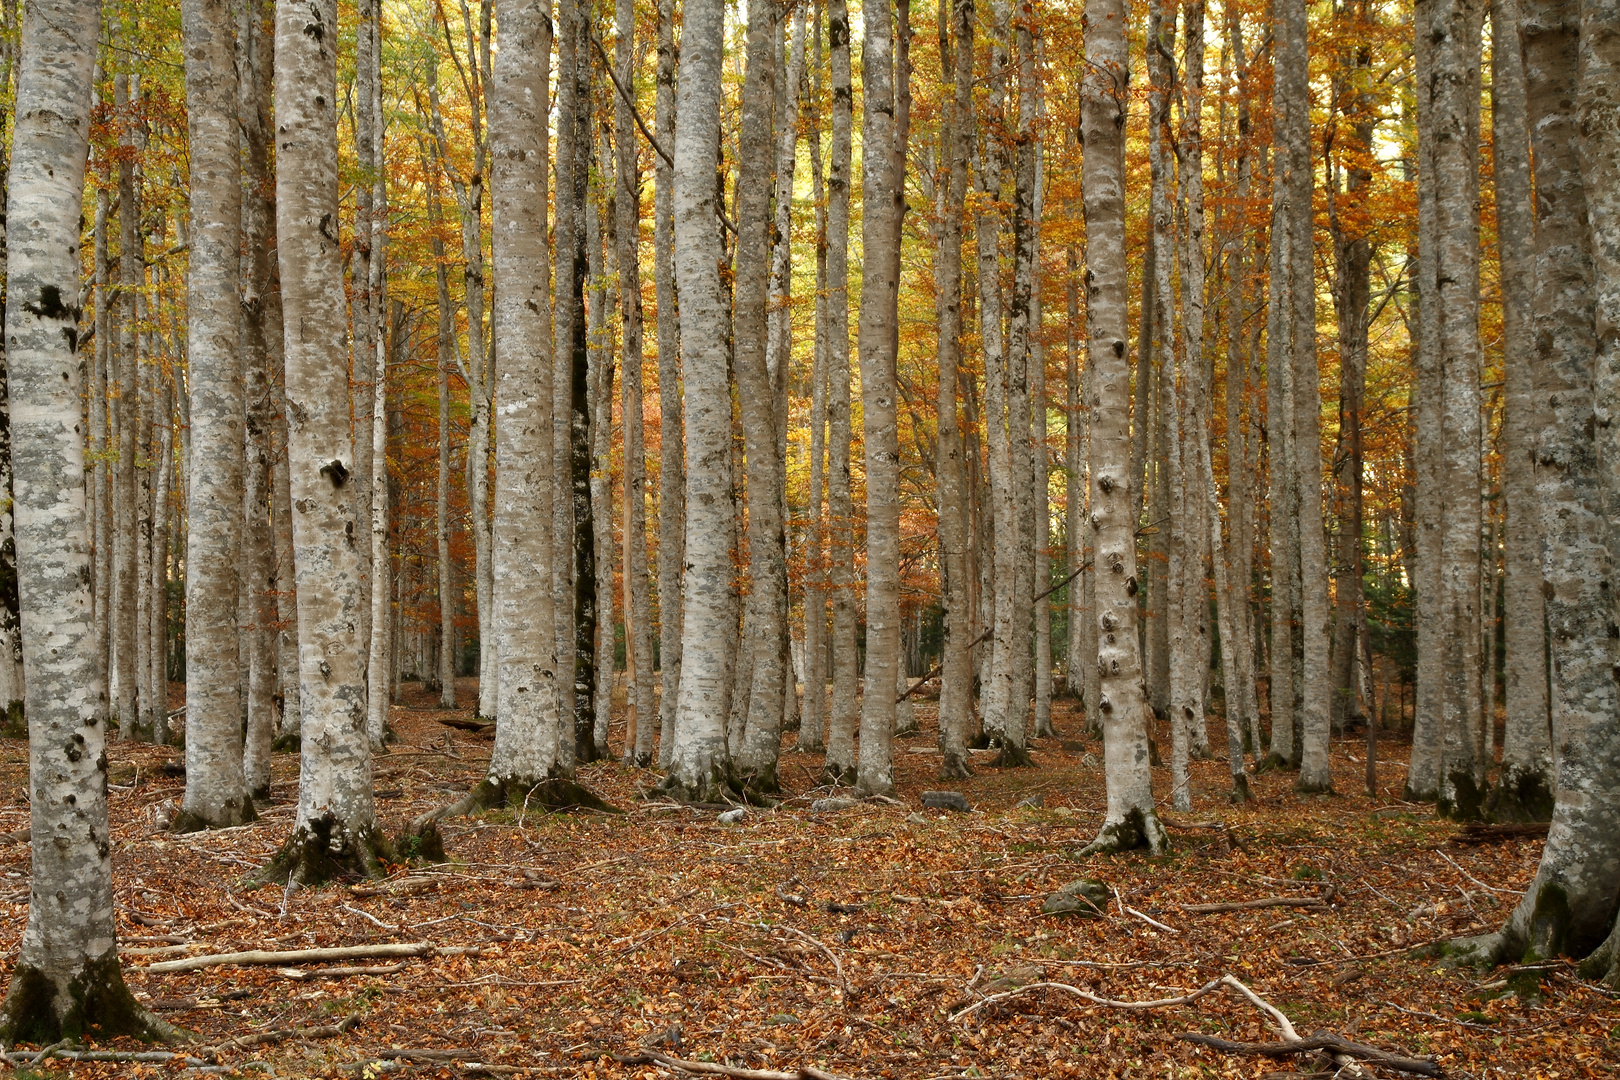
column 652, row 1057
column 1321, row 1040
column 309, row 956
column 1252, row 905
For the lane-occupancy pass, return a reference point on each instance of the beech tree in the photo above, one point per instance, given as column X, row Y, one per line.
column 335, row 828
column 66, row 979
column 216, row 787
column 1131, row 820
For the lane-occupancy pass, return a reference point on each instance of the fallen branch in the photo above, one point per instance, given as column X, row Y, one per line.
column 262, row 1038
column 652, row 1057
column 1111, row 1003
column 309, row 956
column 838, row 964
column 21, row 1057
column 1252, row 905
column 1479, row 832
column 1321, row 1040
column 300, row 975
column 21, row 836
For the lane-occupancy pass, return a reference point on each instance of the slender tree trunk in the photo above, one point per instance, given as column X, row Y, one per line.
column 124, row 693
column 66, row 978
column 882, row 201
column 671, row 458
column 813, row 722
column 601, row 240
column 102, row 440
column 767, row 598
column 365, row 309
column 840, row 764
column 157, row 630
column 638, row 612
column 446, row 357
column 1423, row 770
column 216, row 790
column 255, row 45
column 380, row 665
column 956, row 682
column 1131, row 820
column 336, row 826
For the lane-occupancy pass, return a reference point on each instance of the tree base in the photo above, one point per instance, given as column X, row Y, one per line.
column 1522, row 795
column 1468, row 802
column 1411, row 794
column 322, row 850
column 235, row 812
column 838, row 775
column 1012, row 757
column 1240, row 790
column 421, row 839
column 1139, row 829
column 1313, row 786
column 954, row 766
column 290, row 743
column 96, row 1002
column 720, row 787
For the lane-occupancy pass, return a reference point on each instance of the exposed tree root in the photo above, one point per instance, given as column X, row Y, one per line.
column 421, row 839
column 1522, row 795
column 236, row 812
column 1137, row 829
column 1012, row 757
column 323, row 849
column 954, row 766
column 40, row 1010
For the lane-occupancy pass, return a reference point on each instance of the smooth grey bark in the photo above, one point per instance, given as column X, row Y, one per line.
column 216, row 793
column 840, row 761
column 101, row 440
column 637, row 606
column 379, row 589
column 1569, row 906
column 66, row 979
column 600, row 242
column 882, row 200
column 446, row 357
column 256, row 55
column 700, row 768
column 528, row 732
column 671, row 455
column 157, row 610
column 123, row 691
column 813, row 721
column 1131, row 820
column 336, row 827
column 761, row 697
column 1450, row 297
column 1423, row 767
column 956, row 665
column 364, row 315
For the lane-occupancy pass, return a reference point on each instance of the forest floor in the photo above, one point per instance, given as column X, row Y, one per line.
column 849, row 940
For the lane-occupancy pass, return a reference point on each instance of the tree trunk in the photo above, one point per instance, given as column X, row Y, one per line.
column 124, row 693
column 157, row 630
column 882, row 203
column 1131, row 820
column 216, row 790
column 956, row 665
column 1569, row 907
column 379, row 666
column 637, row 607
column 767, row 597
column 840, row 763
column 671, row 458
column 446, row 357
column 600, row 241
column 66, row 980
column 699, row 767
column 528, row 734
column 254, row 23
column 364, row 315
column 813, row 721
column 336, row 827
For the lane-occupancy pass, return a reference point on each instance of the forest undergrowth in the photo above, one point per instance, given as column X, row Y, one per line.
column 862, row 941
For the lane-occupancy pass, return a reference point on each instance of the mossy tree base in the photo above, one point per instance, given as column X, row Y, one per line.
column 1411, row 794
column 234, row 812
column 1306, row 787
column 1466, row 801
column 323, row 849
column 838, row 775
column 719, row 785
column 1012, row 757
column 290, row 743
column 954, row 767
column 421, row 840
column 1240, row 790
column 1137, row 830
column 1522, row 795
column 39, row 1009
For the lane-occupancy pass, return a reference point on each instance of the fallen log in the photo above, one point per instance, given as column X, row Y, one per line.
column 289, row 957
column 1321, row 1040
column 1479, row 832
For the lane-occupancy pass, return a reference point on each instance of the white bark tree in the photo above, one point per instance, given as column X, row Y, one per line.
column 216, row 788
column 336, row 827
column 66, row 979
column 671, row 456
column 700, row 767
column 1131, row 820
column 882, row 200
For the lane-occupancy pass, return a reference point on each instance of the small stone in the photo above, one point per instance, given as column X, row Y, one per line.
column 1087, row 898
column 917, row 819
column 945, row 800
column 784, row 1020
column 828, row 806
column 731, row 817
column 1033, row 802
column 1089, row 761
